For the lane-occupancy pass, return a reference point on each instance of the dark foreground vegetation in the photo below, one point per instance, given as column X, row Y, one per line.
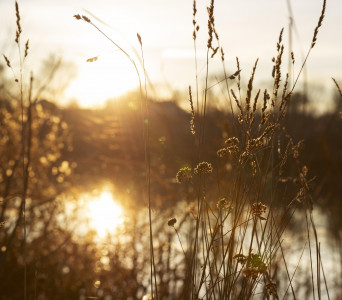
column 103, row 146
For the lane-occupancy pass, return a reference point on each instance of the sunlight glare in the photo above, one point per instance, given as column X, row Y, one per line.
column 104, row 214
column 101, row 80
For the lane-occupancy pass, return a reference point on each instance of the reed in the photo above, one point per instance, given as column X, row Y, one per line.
column 236, row 244
column 235, row 247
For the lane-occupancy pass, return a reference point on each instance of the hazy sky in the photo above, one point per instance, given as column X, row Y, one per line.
column 248, row 29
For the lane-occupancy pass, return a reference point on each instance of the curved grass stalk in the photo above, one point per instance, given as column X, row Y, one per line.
column 145, row 114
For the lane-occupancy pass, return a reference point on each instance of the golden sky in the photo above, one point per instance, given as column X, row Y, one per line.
column 248, row 29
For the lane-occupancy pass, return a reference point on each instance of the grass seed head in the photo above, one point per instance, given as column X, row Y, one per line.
column 8, row 63
column 211, row 24
column 26, row 48
column 194, row 9
column 337, row 86
column 18, row 32
column 192, row 121
column 320, row 21
column 250, row 87
column 256, row 101
column 239, row 77
column 214, row 52
column 85, row 18
column 253, row 144
column 139, row 39
column 280, row 39
column 231, row 148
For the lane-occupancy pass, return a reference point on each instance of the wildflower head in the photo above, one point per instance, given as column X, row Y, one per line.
column 258, row 209
column 255, row 261
column 271, row 288
column 203, row 168
column 254, row 266
column 240, row 258
column 171, row 222
column 223, row 204
column 184, row 175
column 250, row 273
column 222, row 152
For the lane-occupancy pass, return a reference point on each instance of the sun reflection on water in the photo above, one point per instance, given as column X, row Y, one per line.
column 104, row 214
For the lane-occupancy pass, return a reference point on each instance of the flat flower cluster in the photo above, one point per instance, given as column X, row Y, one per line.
column 258, row 209
column 203, row 168
column 254, row 266
column 184, row 175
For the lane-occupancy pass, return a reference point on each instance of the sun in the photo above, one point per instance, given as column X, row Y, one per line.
column 108, row 77
column 104, row 214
